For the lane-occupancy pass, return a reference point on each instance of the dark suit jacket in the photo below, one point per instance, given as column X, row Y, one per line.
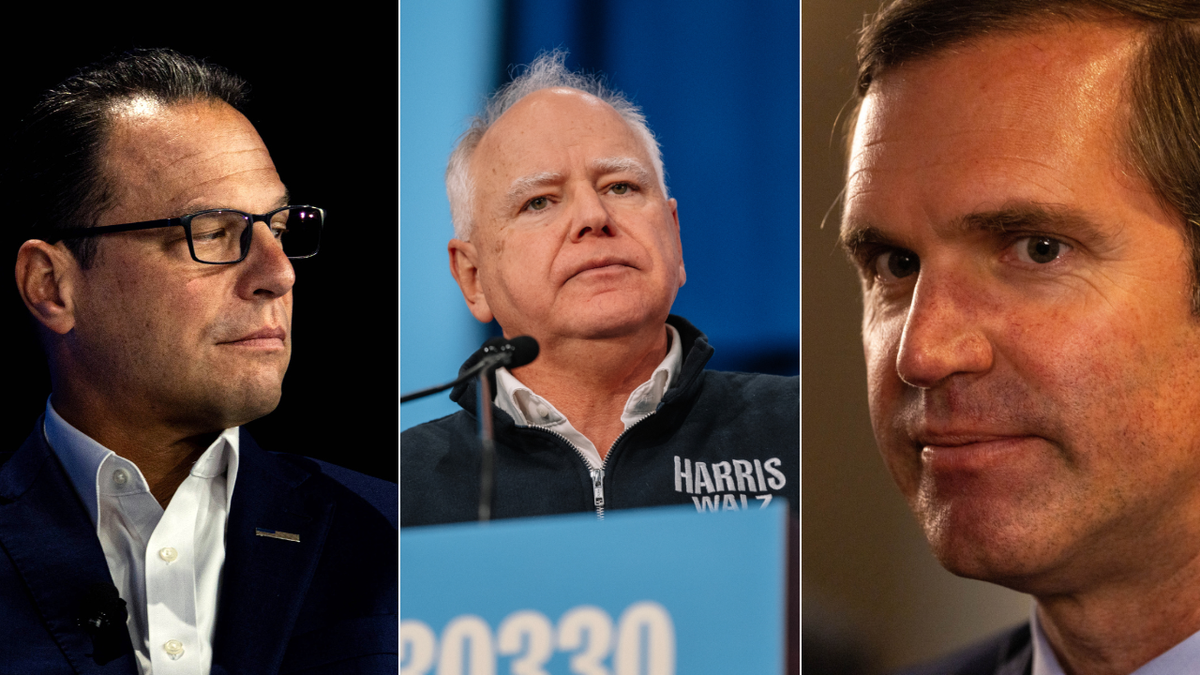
column 325, row 604
column 1009, row 653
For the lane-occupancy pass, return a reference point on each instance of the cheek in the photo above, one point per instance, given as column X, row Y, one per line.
column 886, row 398
column 881, row 341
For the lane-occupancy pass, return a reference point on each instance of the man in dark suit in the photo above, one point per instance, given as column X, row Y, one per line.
column 141, row 529
column 1022, row 201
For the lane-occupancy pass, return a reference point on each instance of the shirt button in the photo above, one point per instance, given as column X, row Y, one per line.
column 120, row 477
column 169, row 554
column 543, row 412
column 174, row 649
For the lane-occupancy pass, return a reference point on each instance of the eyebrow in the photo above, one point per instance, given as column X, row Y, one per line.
column 1013, row 218
column 285, row 200
column 620, row 165
column 517, row 191
column 853, row 238
column 515, row 196
column 1031, row 216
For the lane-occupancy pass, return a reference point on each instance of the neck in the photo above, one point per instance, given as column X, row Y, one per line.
column 1116, row 629
column 163, row 454
column 590, row 381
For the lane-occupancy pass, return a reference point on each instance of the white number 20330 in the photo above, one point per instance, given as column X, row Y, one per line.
column 643, row 643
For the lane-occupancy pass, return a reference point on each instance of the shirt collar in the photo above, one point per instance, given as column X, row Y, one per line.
column 83, row 459
column 529, row 409
column 1178, row 660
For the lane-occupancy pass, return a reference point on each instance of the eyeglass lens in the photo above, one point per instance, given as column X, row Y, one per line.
column 224, row 236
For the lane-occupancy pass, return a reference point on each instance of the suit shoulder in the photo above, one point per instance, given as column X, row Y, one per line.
column 381, row 495
column 1007, row 653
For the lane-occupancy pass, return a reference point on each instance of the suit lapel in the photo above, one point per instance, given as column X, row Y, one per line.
column 265, row 578
column 52, row 543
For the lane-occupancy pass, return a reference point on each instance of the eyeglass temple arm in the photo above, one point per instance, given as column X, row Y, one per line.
column 55, row 234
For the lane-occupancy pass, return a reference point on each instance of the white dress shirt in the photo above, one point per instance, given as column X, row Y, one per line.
column 530, row 410
column 1182, row 659
column 165, row 564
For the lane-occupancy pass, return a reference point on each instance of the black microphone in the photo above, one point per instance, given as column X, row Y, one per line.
column 497, row 353
column 514, row 353
column 102, row 616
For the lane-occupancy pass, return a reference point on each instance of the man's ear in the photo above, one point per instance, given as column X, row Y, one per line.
column 46, row 276
column 678, row 240
column 465, row 268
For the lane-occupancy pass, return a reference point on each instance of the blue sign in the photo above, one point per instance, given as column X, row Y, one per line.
column 643, row 592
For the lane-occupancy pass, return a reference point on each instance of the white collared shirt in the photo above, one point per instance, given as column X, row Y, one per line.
column 530, row 410
column 1178, row 660
column 166, row 565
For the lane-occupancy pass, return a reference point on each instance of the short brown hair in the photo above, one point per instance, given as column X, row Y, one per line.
column 1162, row 136
column 55, row 178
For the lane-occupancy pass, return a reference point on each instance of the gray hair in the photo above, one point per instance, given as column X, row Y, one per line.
column 546, row 72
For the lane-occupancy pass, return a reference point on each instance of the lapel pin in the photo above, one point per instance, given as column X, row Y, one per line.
column 276, row 534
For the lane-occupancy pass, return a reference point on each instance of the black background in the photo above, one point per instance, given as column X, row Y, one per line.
column 325, row 98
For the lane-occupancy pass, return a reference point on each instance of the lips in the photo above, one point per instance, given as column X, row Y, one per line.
column 959, row 438
column 269, row 336
column 599, row 263
column 973, row 451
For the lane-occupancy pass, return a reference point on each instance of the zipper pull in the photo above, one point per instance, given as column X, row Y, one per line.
column 598, row 491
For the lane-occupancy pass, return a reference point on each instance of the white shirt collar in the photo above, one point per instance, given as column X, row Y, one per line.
column 1178, row 660
column 530, row 410
column 84, row 459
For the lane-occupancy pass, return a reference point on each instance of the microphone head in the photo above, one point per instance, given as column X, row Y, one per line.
column 524, row 351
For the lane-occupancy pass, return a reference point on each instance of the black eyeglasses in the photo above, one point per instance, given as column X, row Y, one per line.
column 222, row 236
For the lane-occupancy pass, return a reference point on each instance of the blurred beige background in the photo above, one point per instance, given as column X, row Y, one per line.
column 866, row 568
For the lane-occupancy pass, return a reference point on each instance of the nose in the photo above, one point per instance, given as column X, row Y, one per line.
column 945, row 332
column 266, row 272
column 590, row 216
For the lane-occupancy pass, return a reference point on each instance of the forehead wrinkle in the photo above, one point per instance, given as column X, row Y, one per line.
column 227, row 176
column 225, row 154
column 281, row 201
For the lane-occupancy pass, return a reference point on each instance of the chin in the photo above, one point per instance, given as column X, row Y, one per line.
column 229, row 405
column 978, row 541
column 614, row 321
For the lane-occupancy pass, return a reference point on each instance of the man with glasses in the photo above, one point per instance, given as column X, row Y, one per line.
column 141, row 528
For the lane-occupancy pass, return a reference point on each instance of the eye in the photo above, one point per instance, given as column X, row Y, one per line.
column 537, row 204
column 621, row 188
column 896, row 264
column 1039, row 250
column 278, row 224
column 209, row 234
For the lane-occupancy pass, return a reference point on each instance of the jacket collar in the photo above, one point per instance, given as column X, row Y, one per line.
column 51, row 541
column 266, row 578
